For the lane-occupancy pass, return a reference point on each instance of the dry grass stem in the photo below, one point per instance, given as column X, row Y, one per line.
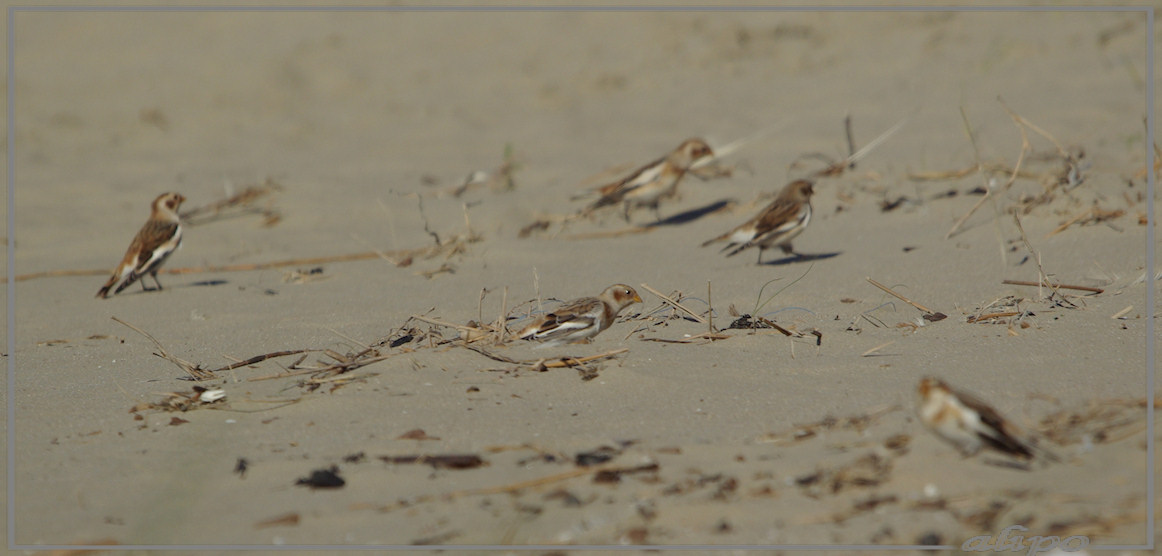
column 1091, row 216
column 194, row 370
column 872, row 351
column 543, row 364
column 836, row 168
column 1026, row 147
column 927, row 312
column 1122, row 313
column 990, row 316
column 260, row 358
column 1063, row 286
column 1040, row 269
column 236, row 205
column 675, row 304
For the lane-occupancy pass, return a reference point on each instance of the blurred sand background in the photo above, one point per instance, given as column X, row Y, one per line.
column 361, row 116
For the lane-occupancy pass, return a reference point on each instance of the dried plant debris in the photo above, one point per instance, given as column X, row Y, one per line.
column 929, row 315
column 304, row 275
column 241, row 467
column 1004, row 310
column 1065, row 170
column 599, row 455
column 323, row 478
column 197, row 398
column 240, row 204
column 610, row 476
column 1094, row 215
column 1090, row 289
column 835, row 168
column 441, row 461
column 857, row 423
column 580, row 364
column 416, row 434
column 498, row 180
column 289, row 519
column 358, row 457
column 1098, row 422
column 746, row 322
column 721, row 486
column 868, row 471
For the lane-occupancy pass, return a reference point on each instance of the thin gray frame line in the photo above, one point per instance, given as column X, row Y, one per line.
column 463, row 547
column 11, row 254
column 574, row 8
column 1151, row 232
column 10, row 395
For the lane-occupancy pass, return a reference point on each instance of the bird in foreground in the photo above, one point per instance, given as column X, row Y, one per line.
column 968, row 423
column 658, row 180
column 780, row 222
column 158, row 239
column 579, row 320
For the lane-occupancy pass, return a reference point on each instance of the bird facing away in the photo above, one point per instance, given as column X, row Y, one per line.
column 658, row 180
column 154, row 243
column 579, row 320
column 780, row 222
column 968, row 423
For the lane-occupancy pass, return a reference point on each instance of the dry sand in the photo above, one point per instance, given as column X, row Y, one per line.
column 361, row 116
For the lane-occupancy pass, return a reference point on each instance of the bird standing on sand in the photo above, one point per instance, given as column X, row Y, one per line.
column 780, row 222
column 968, row 423
column 155, row 242
column 658, row 180
column 581, row 319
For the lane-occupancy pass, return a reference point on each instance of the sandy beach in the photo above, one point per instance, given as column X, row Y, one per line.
column 411, row 180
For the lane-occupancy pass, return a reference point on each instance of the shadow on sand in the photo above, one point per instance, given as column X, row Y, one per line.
column 690, row 215
column 801, row 258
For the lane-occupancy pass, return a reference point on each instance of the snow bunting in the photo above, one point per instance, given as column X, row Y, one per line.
column 581, row 319
column 780, row 222
column 968, row 423
column 158, row 238
column 658, row 180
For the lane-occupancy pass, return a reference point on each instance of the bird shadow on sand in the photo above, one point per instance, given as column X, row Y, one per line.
column 136, row 290
column 690, row 215
column 212, row 282
column 801, row 258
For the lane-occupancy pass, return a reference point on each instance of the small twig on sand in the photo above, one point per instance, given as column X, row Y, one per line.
column 872, row 351
column 929, row 314
column 259, row 358
column 193, row 370
column 677, row 305
column 990, row 316
column 542, row 364
column 1065, row 286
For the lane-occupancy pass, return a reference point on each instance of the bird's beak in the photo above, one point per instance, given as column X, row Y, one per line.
column 637, row 298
